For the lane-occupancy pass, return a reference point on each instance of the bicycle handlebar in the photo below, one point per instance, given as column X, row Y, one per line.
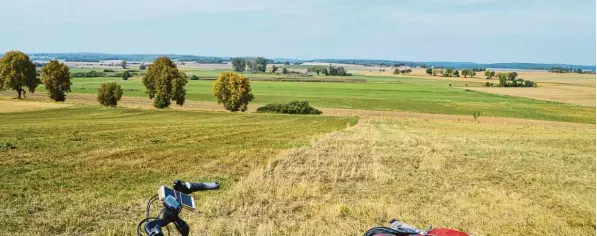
column 172, row 208
column 188, row 187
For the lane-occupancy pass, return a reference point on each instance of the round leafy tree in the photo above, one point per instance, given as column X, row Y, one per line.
column 233, row 90
column 165, row 83
column 17, row 72
column 109, row 94
column 56, row 78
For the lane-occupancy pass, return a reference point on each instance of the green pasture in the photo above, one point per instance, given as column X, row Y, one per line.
column 79, row 170
column 378, row 93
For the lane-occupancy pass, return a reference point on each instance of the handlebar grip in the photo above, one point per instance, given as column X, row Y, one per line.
column 201, row 186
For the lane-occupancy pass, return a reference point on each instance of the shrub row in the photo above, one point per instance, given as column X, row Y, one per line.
column 294, row 107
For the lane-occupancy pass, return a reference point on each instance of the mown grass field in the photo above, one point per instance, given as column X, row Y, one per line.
column 516, row 178
column 382, row 93
column 89, row 170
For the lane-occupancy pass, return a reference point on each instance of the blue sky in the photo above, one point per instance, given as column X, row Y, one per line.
column 484, row 31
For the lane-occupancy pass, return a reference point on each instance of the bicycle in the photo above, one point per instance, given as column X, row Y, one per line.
column 172, row 208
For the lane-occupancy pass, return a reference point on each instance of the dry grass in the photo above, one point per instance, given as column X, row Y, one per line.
column 558, row 87
column 579, row 95
column 14, row 105
column 486, row 179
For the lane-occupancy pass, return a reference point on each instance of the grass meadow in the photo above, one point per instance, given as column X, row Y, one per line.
column 88, row 170
column 379, row 93
column 404, row 147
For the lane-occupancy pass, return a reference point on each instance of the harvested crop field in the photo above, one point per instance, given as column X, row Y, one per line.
column 485, row 179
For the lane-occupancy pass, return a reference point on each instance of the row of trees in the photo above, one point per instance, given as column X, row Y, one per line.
column 403, row 72
column 511, row 80
column 258, row 64
column 329, row 71
column 508, row 79
column 489, row 74
column 17, row 72
column 164, row 82
column 565, row 70
column 449, row 72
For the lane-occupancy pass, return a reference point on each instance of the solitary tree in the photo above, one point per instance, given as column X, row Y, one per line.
column 274, row 68
column 284, row 70
column 448, row 72
column 123, row 64
column 252, row 65
column 489, row 74
column 165, row 83
column 512, row 75
column 233, row 91
column 465, row 73
column 142, row 66
column 109, row 94
column 17, row 72
column 126, row 75
column 56, row 78
column 261, row 64
column 239, row 64
column 316, row 69
column 429, row 71
column 503, row 79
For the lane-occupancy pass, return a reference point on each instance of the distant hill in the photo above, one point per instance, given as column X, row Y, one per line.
column 96, row 57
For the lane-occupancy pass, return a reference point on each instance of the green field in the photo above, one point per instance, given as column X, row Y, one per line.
column 89, row 170
column 379, row 93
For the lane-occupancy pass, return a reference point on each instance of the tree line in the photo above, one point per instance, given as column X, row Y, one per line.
column 329, row 71
column 450, row 72
column 569, row 70
column 403, row 71
column 164, row 83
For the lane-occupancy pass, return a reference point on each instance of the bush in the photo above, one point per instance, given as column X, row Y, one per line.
column 108, row 70
column 294, row 107
column 194, row 77
column 88, row 74
column 109, row 94
column 126, row 75
column 476, row 115
column 6, row 146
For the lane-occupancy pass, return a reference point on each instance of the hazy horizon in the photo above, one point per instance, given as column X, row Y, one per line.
column 479, row 31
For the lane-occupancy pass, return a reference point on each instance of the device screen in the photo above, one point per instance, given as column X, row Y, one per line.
column 186, row 200
column 183, row 199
